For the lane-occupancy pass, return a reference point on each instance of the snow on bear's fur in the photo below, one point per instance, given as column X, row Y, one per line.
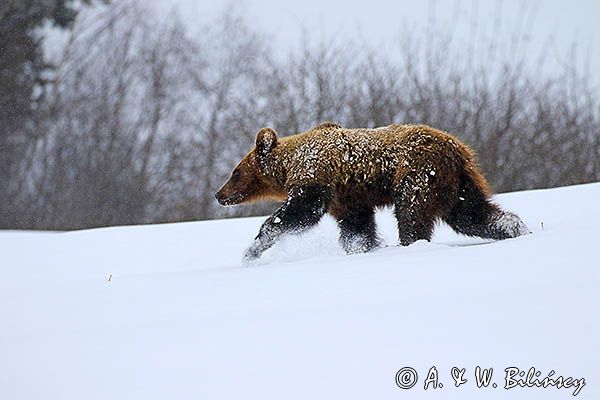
column 426, row 174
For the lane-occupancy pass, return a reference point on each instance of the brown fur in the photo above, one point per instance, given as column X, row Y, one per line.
column 357, row 162
column 426, row 173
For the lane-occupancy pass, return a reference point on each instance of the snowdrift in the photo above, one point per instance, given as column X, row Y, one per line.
column 170, row 312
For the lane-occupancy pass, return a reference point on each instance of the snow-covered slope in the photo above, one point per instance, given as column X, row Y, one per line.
column 182, row 318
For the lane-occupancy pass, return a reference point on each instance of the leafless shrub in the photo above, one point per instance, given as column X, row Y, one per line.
column 143, row 123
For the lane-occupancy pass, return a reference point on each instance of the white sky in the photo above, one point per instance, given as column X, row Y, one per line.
column 379, row 19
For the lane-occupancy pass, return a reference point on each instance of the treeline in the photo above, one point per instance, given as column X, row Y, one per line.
column 139, row 122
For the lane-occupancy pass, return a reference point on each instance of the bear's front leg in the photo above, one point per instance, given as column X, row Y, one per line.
column 303, row 209
column 358, row 232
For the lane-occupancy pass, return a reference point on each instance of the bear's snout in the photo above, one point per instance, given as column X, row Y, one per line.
column 220, row 198
column 227, row 199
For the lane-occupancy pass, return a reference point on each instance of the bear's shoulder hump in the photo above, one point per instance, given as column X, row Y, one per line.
column 328, row 125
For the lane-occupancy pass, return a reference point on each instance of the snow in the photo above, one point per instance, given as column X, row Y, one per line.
column 182, row 318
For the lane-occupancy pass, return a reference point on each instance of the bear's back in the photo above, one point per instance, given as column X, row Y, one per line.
column 330, row 154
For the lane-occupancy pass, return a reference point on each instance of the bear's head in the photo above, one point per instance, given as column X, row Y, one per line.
column 249, row 181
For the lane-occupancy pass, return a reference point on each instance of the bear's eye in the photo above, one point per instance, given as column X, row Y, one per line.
column 236, row 175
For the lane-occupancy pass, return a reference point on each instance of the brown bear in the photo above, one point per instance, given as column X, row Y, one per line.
column 426, row 174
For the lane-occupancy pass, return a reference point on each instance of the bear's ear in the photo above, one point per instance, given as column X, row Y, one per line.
column 266, row 140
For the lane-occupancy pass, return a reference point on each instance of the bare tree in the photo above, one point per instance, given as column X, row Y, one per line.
column 142, row 123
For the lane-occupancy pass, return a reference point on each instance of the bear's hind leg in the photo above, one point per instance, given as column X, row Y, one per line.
column 416, row 209
column 475, row 215
column 358, row 232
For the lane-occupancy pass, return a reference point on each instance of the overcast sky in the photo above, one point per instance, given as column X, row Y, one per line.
column 379, row 19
